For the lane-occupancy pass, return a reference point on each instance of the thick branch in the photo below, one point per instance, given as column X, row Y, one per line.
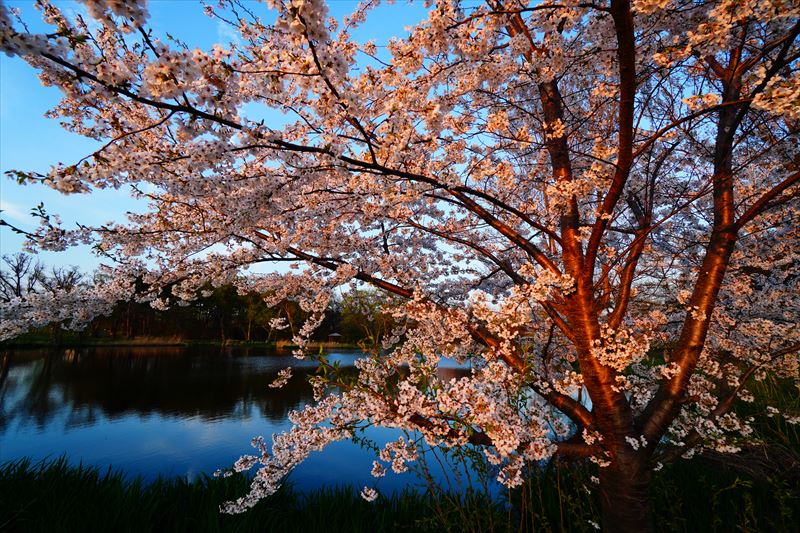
column 479, row 438
column 626, row 57
column 664, row 407
column 767, row 199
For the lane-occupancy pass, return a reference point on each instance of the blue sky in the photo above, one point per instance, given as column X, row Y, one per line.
column 30, row 142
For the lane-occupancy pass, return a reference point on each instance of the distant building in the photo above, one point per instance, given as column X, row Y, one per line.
column 335, row 337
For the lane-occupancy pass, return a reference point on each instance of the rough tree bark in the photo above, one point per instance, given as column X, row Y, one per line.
column 625, row 495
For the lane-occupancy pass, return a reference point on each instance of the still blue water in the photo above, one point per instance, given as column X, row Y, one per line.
column 170, row 411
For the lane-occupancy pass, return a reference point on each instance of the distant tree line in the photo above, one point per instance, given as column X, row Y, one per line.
column 21, row 274
column 221, row 314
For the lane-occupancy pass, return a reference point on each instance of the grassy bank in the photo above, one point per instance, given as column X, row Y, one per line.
column 41, row 497
column 693, row 497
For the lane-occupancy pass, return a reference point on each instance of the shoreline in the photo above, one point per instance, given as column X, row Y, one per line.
column 166, row 342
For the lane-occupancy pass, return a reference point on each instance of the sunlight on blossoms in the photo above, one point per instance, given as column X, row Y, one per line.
column 554, row 235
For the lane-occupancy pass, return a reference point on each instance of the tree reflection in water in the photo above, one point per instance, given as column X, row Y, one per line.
column 151, row 410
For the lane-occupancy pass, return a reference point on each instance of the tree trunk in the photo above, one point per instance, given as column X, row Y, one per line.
column 625, row 497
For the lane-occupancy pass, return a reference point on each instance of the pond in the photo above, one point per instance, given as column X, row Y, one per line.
column 170, row 411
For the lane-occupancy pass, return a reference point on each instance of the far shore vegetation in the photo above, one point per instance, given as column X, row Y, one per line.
column 68, row 339
column 219, row 316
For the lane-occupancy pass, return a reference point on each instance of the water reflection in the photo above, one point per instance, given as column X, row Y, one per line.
column 170, row 381
column 164, row 410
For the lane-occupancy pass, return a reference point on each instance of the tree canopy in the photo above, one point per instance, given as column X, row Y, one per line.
column 592, row 203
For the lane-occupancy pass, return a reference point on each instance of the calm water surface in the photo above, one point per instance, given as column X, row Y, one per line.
column 171, row 411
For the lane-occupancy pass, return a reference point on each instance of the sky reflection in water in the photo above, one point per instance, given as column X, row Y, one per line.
column 169, row 411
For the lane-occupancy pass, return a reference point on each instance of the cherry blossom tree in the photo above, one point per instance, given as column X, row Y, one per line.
column 594, row 204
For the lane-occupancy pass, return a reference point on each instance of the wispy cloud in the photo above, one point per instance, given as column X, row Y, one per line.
column 15, row 212
column 227, row 34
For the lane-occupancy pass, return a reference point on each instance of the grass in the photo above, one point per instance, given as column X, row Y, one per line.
column 38, row 496
column 694, row 496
